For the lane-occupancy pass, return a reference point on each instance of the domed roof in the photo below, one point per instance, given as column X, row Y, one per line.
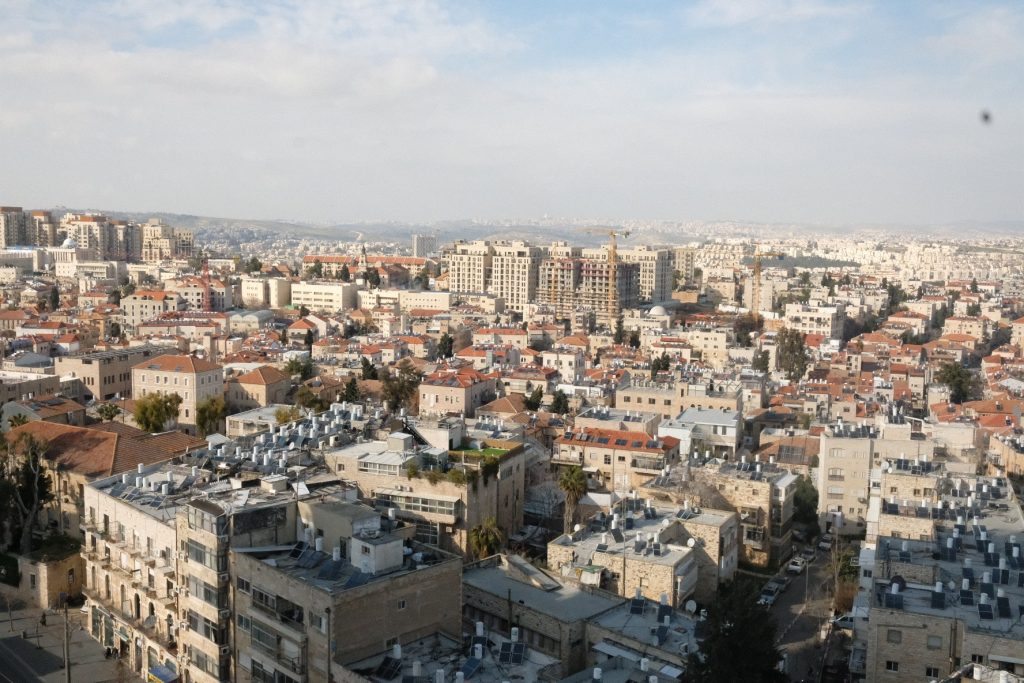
column 658, row 310
column 69, row 243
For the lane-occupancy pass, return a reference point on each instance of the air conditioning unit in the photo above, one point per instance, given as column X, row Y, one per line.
column 222, row 539
column 225, row 651
column 223, row 577
column 225, row 614
column 183, row 626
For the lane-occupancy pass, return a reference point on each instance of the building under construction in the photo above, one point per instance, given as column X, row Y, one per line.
column 570, row 284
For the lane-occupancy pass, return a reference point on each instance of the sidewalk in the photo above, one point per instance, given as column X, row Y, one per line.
column 40, row 656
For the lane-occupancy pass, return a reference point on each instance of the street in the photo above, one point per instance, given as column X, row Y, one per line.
column 40, row 656
column 800, row 611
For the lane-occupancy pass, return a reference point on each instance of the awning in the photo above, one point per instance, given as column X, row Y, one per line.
column 1006, row 658
column 161, row 674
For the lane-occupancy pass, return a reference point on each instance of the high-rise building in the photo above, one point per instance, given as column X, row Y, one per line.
column 42, row 230
column 566, row 284
column 423, row 245
column 655, row 271
column 684, row 262
column 514, row 272
column 13, row 227
column 161, row 242
column 469, row 266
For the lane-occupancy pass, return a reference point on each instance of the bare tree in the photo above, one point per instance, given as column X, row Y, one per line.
column 27, row 484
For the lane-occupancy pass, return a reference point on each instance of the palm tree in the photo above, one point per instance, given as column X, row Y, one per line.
column 17, row 420
column 486, row 539
column 573, row 482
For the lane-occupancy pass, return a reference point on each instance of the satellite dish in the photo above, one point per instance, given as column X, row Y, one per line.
column 690, row 606
column 690, row 543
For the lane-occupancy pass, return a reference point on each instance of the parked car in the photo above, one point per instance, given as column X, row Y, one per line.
column 809, row 553
column 825, row 544
column 797, row 565
column 781, row 581
column 769, row 594
column 799, row 535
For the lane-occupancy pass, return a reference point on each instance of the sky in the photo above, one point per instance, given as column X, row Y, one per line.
column 780, row 111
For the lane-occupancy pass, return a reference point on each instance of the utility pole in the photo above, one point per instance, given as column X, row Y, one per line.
column 67, row 646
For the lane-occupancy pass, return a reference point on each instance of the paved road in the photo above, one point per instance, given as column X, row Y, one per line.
column 799, row 613
column 40, row 656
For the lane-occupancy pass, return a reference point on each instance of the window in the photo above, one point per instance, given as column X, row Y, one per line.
column 401, row 604
column 934, row 642
column 244, row 623
column 866, row 573
column 243, row 585
column 365, row 549
column 32, row 581
column 978, row 659
column 894, row 636
column 891, row 665
column 931, row 671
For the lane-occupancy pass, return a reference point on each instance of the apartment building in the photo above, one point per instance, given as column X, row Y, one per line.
column 761, row 493
column 938, row 605
column 424, row 245
column 643, row 550
column 455, row 392
column 469, row 266
column 448, row 493
column 194, row 290
column 684, row 262
column 193, row 379
column 101, row 238
column 42, row 230
column 602, row 417
column 104, row 375
column 13, row 227
column 711, row 433
column 329, row 297
column 826, row 321
column 161, row 242
column 618, row 459
column 304, row 609
column 514, row 273
column 672, row 398
column 656, row 276
column 146, row 305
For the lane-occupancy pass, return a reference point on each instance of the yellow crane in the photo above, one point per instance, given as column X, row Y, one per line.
column 613, row 262
column 755, row 300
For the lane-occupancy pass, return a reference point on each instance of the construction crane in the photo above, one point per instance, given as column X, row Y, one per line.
column 755, row 301
column 207, row 293
column 613, row 262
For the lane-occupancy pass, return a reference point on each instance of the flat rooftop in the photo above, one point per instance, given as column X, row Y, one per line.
column 565, row 602
column 978, row 528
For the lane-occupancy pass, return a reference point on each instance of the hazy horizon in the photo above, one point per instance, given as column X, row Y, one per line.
column 759, row 111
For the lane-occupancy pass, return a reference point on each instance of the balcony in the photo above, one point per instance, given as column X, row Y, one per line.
column 655, row 465
column 836, row 477
column 567, row 458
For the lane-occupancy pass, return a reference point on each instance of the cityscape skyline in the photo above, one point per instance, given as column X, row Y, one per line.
column 800, row 112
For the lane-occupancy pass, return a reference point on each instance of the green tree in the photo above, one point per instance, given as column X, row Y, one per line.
column 792, row 353
column 108, row 412
column 737, row 624
column 399, row 389
column 303, row 311
column 127, row 289
column 25, row 485
column 535, row 398
column 445, row 346
column 961, row 382
column 114, row 331
column 805, row 277
column 620, row 332
column 114, row 296
column 343, row 273
column 154, row 411
column 974, row 285
column 634, row 339
column 209, row 413
column 573, row 482
column 485, row 539
column 760, row 361
column 351, row 393
column 559, row 402
column 284, row 415
column 54, row 298
column 974, row 310
column 372, row 277
column 305, row 398
column 253, row 265
column 16, row 421
column 805, row 501
column 303, row 367
column 308, row 340
column 369, row 371
column 744, row 328
column 315, row 270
